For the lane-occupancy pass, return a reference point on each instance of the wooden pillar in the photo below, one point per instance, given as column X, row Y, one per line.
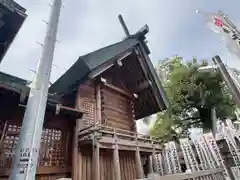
column 98, row 118
column 80, row 164
column 77, row 156
column 74, row 156
column 116, row 162
column 154, row 161
column 139, row 167
column 4, row 131
column 150, row 165
column 133, row 117
column 96, row 161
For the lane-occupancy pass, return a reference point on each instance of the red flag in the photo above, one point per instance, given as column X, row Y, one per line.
column 218, row 22
column 214, row 22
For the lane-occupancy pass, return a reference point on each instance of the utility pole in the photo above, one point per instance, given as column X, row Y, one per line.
column 27, row 152
column 227, row 78
column 214, row 121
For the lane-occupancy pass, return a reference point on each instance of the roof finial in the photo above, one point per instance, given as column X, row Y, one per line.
column 123, row 25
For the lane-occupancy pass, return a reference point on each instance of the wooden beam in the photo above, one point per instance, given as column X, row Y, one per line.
column 144, row 85
column 98, row 104
column 100, row 70
column 96, row 72
column 116, row 159
column 78, row 110
column 122, row 112
column 118, row 90
column 130, row 143
column 127, row 148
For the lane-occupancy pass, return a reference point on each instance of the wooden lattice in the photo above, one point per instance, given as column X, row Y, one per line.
column 51, row 153
column 89, row 111
column 10, row 142
column 88, row 104
column 52, row 150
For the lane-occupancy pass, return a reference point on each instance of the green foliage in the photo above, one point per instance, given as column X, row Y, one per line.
column 192, row 95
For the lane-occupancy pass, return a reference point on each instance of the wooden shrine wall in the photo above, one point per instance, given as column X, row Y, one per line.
column 84, row 169
column 127, row 165
column 117, row 109
column 54, row 153
column 116, row 101
column 106, row 164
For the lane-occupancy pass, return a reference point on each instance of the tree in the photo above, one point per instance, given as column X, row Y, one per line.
column 192, row 95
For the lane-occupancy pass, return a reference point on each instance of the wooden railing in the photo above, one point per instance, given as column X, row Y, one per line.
column 127, row 140
column 185, row 176
column 119, row 132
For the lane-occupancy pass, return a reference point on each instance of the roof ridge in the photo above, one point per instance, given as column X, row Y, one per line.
column 105, row 47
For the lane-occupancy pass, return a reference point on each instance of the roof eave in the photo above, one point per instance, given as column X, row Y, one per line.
column 157, row 87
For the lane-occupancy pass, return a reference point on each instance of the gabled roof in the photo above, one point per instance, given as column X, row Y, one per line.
column 14, row 91
column 87, row 63
column 151, row 99
column 14, row 83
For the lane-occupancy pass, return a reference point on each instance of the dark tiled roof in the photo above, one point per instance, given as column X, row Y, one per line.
column 148, row 102
column 11, row 20
column 12, row 5
column 87, row 63
column 13, row 82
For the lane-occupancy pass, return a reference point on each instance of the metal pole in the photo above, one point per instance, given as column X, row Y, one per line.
column 214, row 121
column 227, row 78
column 234, row 77
column 124, row 26
column 27, row 152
